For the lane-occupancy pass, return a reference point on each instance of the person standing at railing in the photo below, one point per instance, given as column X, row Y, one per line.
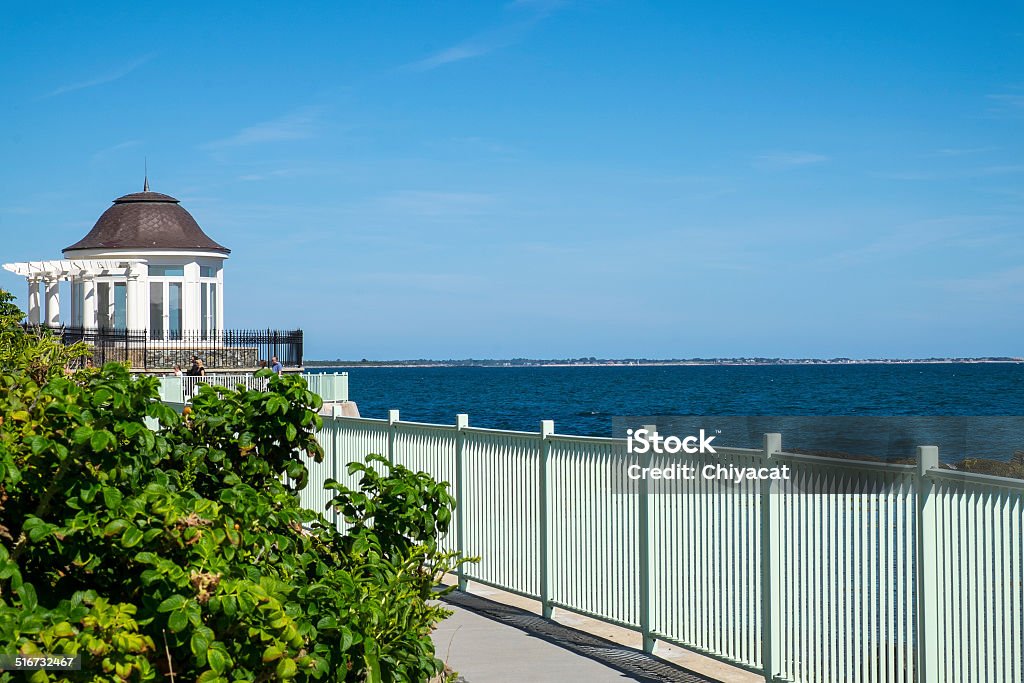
column 197, row 369
column 275, row 365
column 177, row 370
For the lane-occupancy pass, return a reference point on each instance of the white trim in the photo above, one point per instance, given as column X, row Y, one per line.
column 65, row 269
column 126, row 254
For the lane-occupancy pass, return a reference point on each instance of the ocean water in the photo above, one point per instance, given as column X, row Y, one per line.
column 584, row 400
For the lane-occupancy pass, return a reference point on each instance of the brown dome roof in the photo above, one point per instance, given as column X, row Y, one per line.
column 147, row 220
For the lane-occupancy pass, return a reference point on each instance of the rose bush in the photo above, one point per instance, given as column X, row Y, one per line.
column 182, row 550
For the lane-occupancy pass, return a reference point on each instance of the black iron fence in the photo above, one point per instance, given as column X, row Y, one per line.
column 223, row 349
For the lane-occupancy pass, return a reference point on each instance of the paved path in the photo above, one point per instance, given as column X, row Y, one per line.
column 489, row 642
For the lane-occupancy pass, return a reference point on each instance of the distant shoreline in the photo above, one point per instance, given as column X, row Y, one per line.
column 595, row 363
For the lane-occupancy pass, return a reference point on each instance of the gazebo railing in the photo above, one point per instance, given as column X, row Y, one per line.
column 331, row 388
column 219, row 349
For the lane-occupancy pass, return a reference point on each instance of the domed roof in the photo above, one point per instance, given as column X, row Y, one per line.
column 147, row 220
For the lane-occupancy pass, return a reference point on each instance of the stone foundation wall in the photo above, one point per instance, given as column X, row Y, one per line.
column 213, row 359
column 164, row 359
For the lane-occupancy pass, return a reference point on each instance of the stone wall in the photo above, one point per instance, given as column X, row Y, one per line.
column 213, row 359
column 156, row 359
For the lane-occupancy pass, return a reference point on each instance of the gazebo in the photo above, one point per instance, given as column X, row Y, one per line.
column 148, row 279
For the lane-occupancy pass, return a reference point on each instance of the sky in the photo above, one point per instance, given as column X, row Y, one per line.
column 534, row 178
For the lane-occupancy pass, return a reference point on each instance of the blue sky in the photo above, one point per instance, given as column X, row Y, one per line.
column 548, row 179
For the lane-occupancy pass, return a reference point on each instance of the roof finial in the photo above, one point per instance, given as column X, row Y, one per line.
column 145, row 182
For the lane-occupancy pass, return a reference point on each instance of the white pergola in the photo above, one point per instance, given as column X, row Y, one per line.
column 78, row 271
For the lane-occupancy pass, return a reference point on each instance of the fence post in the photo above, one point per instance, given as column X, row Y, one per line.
column 926, row 589
column 547, row 428
column 771, row 607
column 461, row 422
column 644, row 560
column 335, row 414
column 392, row 431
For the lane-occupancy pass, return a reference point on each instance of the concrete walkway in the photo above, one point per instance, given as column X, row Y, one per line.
column 490, row 642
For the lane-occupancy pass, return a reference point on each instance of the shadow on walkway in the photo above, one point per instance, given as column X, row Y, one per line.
column 635, row 664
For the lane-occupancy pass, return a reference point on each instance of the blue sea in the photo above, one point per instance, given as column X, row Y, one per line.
column 584, row 400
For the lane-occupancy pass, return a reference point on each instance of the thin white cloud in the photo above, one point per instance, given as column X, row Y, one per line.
column 957, row 232
column 538, row 5
column 1007, row 104
column 108, row 77
column 430, row 204
column 453, row 54
column 788, row 159
column 959, row 151
column 957, row 174
column 424, row 281
column 476, row 144
column 999, row 169
column 489, row 41
column 106, row 151
column 298, row 125
column 277, row 173
column 999, row 285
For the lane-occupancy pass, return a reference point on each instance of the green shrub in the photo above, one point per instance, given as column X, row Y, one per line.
column 185, row 550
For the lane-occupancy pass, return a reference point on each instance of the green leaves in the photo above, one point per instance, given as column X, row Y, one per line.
column 114, row 527
column 395, row 512
column 372, row 668
column 286, row 669
column 82, row 434
column 175, row 602
column 218, row 659
column 177, row 621
column 131, row 537
column 276, row 404
column 200, row 643
column 194, row 534
column 37, row 529
column 27, row 593
column 112, row 498
column 87, row 493
column 100, row 440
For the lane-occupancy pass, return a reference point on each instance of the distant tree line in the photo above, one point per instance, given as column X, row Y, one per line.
column 592, row 360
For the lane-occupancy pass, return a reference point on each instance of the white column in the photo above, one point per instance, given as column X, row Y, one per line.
column 33, row 302
column 53, row 302
column 191, row 318
column 219, row 322
column 88, row 302
column 132, row 303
